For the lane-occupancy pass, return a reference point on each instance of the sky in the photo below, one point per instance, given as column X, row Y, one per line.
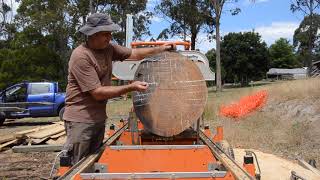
column 272, row 19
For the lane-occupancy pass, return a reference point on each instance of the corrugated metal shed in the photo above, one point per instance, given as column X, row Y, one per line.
column 278, row 71
column 296, row 73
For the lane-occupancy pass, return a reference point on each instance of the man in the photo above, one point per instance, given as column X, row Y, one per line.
column 89, row 84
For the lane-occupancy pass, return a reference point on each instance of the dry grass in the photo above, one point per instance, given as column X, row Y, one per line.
column 118, row 109
column 287, row 126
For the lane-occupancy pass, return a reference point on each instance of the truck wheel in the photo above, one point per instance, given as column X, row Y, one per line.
column 2, row 118
column 225, row 146
column 61, row 113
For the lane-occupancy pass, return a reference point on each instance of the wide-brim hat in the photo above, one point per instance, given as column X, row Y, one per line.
column 98, row 22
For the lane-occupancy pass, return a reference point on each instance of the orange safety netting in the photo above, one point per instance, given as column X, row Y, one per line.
column 246, row 105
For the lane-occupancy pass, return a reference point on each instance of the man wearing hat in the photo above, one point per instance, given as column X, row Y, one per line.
column 89, row 84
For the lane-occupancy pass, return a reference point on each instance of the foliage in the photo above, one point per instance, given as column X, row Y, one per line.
column 30, row 63
column 38, row 43
column 306, row 36
column 188, row 17
column 307, row 33
column 118, row 9
column 282, row 55
column 211, row 55
column 244, row 57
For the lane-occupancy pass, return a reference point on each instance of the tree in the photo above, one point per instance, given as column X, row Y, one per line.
column 306, row 39
column 118, row 9
column 6, row 26
column 188, row 17
column 282, row 55
column 308, row 7
column 211, row 55
column 218, row 7
column 245, row 57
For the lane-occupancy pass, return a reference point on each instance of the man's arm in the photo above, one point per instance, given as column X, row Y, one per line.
column 140, row 53
column 108, row 92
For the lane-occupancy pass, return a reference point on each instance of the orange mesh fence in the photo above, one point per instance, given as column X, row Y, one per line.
column 246, row 105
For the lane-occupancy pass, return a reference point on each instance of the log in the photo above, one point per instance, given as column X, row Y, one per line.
column 37, row 148
column 176, row 96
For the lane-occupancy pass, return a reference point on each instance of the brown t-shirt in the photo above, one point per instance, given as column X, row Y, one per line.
column 88, row 70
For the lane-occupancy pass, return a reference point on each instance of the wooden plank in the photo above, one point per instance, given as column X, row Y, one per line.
column 306, row 165
column 8, row 143
column 22, row 134
column 7, row 138
column 58, row 135
column 38, row 141
column 46, row 132
column 37, row 148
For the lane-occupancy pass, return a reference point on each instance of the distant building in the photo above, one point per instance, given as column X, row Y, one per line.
column 296, row 73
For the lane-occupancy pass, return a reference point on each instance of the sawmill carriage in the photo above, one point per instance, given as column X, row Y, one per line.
column 165, row 136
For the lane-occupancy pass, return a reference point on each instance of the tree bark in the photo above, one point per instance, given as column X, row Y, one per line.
column 193, row 41
column 218, row 58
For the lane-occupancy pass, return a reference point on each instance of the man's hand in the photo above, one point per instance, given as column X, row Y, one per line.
column 169, row 47
column 140, row 53
column 139, row 86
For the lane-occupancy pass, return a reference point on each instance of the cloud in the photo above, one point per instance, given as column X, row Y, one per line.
column 269, row 33
column 248, row 2
column 156, row 19
column 276, row 30
column 203, row 43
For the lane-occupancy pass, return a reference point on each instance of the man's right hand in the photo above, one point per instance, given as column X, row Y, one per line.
column 139, row 86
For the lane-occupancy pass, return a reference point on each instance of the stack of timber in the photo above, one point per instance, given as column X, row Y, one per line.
column 53, row 134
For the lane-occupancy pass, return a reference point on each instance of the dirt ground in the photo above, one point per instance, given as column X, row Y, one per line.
column 25, row 165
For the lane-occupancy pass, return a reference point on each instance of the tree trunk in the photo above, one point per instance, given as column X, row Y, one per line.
column 91, row 7
column 193, row 41
column 218, row 63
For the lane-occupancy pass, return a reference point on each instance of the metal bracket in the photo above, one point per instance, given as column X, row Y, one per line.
column 100, row 168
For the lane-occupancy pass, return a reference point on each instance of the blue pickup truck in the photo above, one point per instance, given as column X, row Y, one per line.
column 29, row 96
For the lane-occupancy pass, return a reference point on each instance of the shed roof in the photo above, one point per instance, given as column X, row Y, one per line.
column 279, row 71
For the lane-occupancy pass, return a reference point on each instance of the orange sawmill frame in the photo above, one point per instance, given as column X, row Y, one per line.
column 159, row 43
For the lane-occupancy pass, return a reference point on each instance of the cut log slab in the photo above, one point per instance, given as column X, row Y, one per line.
column 58, row 135
column 47, row 132
column 8, row 143
column 22, row 134
column 37, row 148
column 7, row 138
column 38, row 141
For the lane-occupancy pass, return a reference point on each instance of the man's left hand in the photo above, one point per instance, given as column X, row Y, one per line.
column 169, row 47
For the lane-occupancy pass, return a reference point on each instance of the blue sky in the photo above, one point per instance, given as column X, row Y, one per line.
column 272, row 19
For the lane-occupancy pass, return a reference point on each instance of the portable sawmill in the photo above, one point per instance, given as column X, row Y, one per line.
column 164, row 136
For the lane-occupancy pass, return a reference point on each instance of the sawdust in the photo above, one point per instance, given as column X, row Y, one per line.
column 276, row 168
